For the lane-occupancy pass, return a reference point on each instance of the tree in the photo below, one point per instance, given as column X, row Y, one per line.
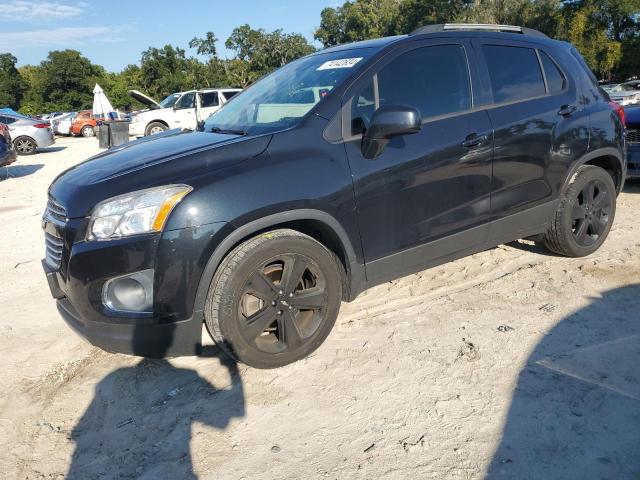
column 416, row 13
column 590, row 37
column 163, row 71
column 357, row 20
column 263, row 52
column 68, row 80
column 205, row 46
column 12, row 85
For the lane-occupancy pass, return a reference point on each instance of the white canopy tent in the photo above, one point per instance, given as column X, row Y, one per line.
column 102, row 107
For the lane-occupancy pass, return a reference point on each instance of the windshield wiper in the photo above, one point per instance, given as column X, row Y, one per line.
column 229, row 131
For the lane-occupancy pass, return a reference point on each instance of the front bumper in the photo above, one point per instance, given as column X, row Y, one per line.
column 633, row 160
column 173, row 329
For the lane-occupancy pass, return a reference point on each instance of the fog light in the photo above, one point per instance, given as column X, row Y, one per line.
column 129, row 293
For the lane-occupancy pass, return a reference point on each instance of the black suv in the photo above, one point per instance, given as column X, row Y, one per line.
column 342, row 170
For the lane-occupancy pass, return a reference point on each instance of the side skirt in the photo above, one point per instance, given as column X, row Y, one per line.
column 523, row 224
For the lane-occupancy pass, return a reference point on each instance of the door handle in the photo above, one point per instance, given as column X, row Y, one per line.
column 473, row 140
column 566, row 110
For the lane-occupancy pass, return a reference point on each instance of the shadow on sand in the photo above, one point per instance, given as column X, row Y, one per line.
column 575, row 411
column 17, row 171
column 139, row 423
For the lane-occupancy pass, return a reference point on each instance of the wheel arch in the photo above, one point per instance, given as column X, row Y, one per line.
column 14, row 140
column 317, row 224
column 607, row 158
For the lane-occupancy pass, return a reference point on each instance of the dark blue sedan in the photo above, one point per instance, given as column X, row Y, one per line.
column 632, row 120
column 7, row 153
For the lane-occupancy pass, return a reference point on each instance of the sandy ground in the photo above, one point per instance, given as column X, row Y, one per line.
column 512, row 363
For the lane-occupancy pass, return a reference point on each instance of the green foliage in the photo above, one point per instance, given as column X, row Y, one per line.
column 68, row 81
column 357, row 20
column 607, row 33
column 12, row 85
column 262, row 52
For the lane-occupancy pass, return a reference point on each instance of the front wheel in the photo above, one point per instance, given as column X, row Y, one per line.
column 585, row 213
column 274, row 299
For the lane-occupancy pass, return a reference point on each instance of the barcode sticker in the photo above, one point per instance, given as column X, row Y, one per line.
column 342, row 63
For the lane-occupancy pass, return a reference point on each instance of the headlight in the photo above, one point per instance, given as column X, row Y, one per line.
column 136, row 212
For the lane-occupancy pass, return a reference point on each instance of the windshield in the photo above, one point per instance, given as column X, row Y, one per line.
column 282, row 98
column 170, row 100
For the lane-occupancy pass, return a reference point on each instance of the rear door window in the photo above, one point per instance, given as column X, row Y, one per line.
column 209, row 99
column 514, row 72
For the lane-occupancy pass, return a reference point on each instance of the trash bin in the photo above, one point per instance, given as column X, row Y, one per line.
column 118, row 132
column 103, row 135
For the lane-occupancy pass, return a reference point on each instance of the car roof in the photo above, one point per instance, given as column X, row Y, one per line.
column 453, row 30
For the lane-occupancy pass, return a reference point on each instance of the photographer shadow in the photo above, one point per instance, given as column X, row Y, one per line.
column 575, row 411
column 139, row 423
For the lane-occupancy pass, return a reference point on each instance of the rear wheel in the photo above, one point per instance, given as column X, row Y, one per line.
column 584, row 215
column 155, row 127
column 25, row 146
column 88, row 131
column 274, row 299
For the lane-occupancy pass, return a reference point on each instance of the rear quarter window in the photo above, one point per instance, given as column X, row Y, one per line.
column 556, row 81
column 514, row 73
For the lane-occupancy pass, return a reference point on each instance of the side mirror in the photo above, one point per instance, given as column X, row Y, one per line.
column 387, row 122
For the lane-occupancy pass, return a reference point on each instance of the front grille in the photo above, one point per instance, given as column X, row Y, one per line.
column 53, row 250
column 56, row 217
column 56, row 210
column 633, row 135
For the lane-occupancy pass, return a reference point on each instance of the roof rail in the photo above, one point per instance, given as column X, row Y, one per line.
column 485, row 27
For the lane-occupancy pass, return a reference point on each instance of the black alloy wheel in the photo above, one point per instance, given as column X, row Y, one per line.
column 283, row 303
column 591, row 213
column 274, row 298
column 585, row 213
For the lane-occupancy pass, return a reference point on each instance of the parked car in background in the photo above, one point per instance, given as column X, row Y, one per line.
column 627, row 93
column 288, row 202
column 178, row 110
column 84, row 124
column 7, row 152
column 632, row 121
column 56, row 120
column 62, row 125
column 28, row 134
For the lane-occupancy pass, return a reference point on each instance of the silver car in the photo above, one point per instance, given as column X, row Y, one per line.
column 627, row 93
column 28, row 134
column 61, row 124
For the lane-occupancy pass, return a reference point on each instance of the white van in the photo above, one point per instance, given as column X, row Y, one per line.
column 178, row 110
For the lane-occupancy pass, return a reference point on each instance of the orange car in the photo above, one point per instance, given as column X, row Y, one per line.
column 84, row 124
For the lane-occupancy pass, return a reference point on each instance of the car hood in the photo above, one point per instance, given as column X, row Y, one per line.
column 142, row 98
column 174, row 156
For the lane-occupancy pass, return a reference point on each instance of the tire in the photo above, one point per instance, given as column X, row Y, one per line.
column 88, row 131
column 255, row 309
column 584, row 215
column 25, row 146
column 154, row 128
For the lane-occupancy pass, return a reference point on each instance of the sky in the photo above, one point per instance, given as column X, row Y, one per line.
column 113, row 33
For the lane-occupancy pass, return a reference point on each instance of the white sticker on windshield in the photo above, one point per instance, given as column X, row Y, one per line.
column 342, row 63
